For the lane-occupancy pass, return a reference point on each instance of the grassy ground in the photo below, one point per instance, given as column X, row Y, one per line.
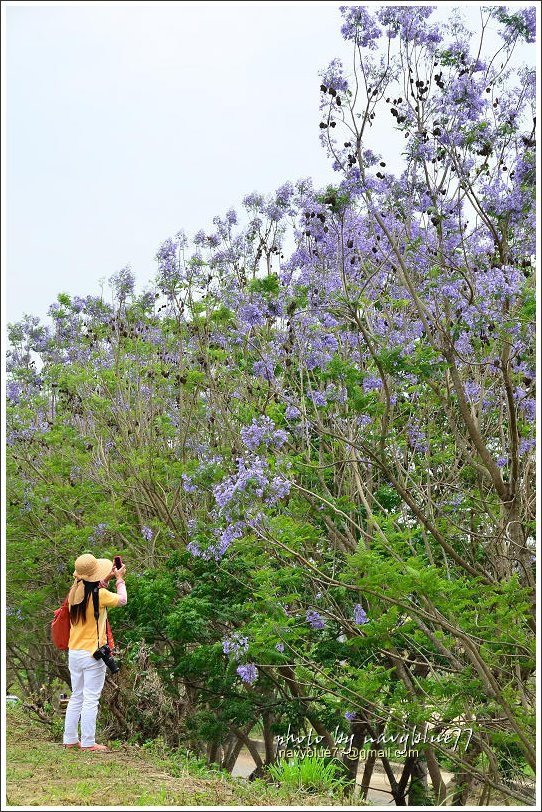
column 40, row 772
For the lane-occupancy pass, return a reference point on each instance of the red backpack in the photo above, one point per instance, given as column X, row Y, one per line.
column 60, row 628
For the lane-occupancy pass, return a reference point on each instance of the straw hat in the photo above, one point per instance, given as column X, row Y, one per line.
column 87, row 568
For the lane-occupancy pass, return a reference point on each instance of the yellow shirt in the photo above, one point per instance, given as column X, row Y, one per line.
column 83, row 635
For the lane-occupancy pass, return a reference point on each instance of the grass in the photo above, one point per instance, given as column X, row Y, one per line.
column 312, row 773
column 40, row 772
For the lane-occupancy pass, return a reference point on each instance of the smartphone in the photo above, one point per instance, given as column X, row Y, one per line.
column 118, row 562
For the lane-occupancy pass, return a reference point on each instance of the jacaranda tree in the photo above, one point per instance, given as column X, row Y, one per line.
column 313, row 437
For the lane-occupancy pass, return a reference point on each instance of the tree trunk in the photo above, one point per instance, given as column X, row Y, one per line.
column 464, row 779
column 417, row 791
column 212, row 750
column 367, row 775
column 268, row 739
column 439, row 787
column 233, row 753
column 253, row 750
column 351, row 762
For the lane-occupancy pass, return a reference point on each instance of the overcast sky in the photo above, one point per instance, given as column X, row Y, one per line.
column 126, row 123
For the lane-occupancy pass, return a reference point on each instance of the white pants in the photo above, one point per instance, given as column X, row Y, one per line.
column 87, row 679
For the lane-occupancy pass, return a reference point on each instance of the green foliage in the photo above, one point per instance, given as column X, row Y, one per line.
column 267, row 284
column 308, row 773
column 335, row 199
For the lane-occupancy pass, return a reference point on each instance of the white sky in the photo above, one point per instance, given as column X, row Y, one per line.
column 127, row 122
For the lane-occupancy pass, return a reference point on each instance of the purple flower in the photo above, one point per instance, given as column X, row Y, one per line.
column 526, row 445
column 318, row 398
column 188, row 485
column 472, row 389
column 371, row 382
column 410, row 22
column 315, row 620
column 248, row 673
column 363, row 420
column 292, row 413
column 328, row 320
column 502, row 461
column 350, row 715
column 322, row 349
column 528, row 407
column 416, row 439
column 251, row 474
column 12, row 612
column 224, row 539
column 274, row 212
column 284, row 194
column 262, row 430
column 251, row 314
column 232, row 532
column 194, row 549
column 359, row 25
column 99, row 531
column 168, row 267
column 280, row 647
column 333, row 76
column 147, row 533
column 279, row 487
column 14, row 390
column 253, row 201
column 123, row 282
column 231, row 217
column 521, row 22
column 264, row 369
column 235, row 645
column 359, row 614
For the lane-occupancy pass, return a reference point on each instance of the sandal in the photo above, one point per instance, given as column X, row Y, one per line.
column 75, row 744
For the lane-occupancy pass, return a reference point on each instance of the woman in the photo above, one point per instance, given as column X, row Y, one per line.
column 88, row 674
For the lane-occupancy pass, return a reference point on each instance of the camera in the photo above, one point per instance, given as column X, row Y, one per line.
column 104, row 653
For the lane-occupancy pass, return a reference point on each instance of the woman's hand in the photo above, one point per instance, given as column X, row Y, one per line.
column 119, row 574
